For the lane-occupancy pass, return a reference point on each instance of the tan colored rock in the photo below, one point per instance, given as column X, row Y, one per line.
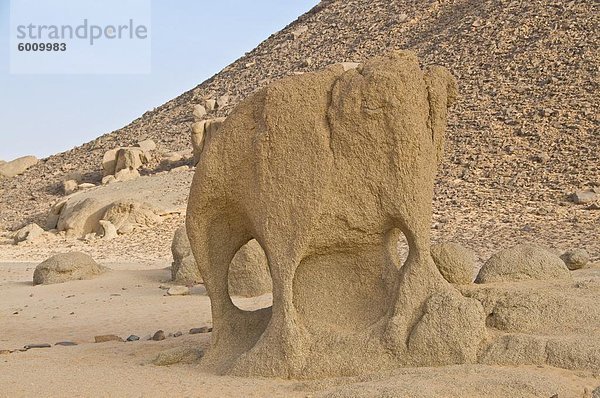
column 109, row 162
column 2, row 162
column 109, row 231
column 199, row 112
column 210, row 104
column 178, row 355
column 450, row 330
column 66, row 267
column 106, row 338
column 147, row 145
column 183, row 269
column 128, row 158
column 455, row 262
column 522, row 262
column 178, row 291
column 223, row 101
column 575, row 259
column 109, row 179
column 86, row 185
column 125, row 175
column 249, row 272
column 28, row 233
column 129, row 215
column 17, row 166
column 70, row 186
column 79, row 218
column 327, row 191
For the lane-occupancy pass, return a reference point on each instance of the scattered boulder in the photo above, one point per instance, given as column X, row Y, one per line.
column 523, row 262
column 183, row 269
column 199, row 112
column 584, row 197
column 450, row 330
column 126, row 175
column 79, row 218
column 69, row 186
column 109, row 230
column 129, row 215
column 129, row 158
column 147, row 145
column 17, row 166
column 66, row 267
column 210, row 104
column 575, row 259
column 178, row 355
column 178, row 291
column 249, row 272
column 223, row 101
column 106, row 338
column 133, row 337
column 28, row 233
column 455, row 262
column 109, row 161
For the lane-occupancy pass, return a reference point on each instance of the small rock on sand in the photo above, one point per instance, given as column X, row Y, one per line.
column 203, row 329
column 107, row 337
column 575, row 259
column 158, row 336
column 178, row 355
column 30, row 346
column 66, row 343
column 178, row 291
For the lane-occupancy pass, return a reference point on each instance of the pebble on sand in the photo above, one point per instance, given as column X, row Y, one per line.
column 159, row 335
column 133, row 337
column 66, row 343
column 30, row 346
column 203, row 329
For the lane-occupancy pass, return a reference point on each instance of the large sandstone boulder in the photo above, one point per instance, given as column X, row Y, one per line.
column 523, row 262
column 455, row 262
column 17, row 166
column 29, row 232
column 66, row 267
column 183, row 269
column 575, row 259
column 326, row 170
column 79, row 218
column 129, row 215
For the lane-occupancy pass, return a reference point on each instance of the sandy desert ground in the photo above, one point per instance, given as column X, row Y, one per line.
column 131, row 299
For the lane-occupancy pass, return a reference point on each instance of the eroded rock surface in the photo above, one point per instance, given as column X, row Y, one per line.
column 326, row 191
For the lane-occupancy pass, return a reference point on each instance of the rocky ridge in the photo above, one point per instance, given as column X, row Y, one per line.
column 521, row 138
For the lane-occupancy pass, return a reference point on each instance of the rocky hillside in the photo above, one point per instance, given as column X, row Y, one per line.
column 524, row 134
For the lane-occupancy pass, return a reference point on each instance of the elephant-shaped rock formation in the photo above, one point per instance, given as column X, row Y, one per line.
column 326, row 170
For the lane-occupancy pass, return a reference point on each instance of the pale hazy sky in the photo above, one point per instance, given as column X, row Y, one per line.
column 191, row 40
